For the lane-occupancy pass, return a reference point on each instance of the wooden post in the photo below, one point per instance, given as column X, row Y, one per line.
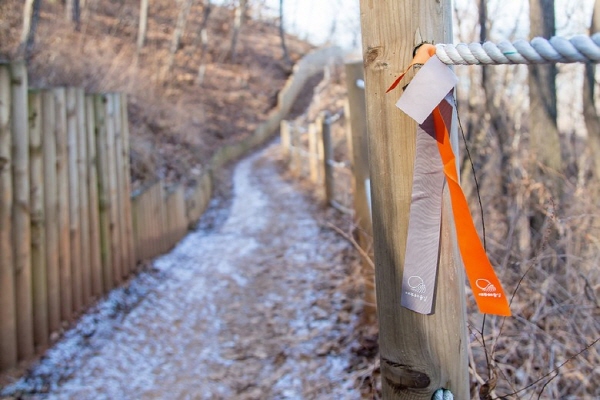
column 313, row 152
column 62, row 189
column 419, row 353
column 356, row 114
column 327, row 157
column 84, row 213
column 21, row 222
column 8, row 318
column 128, row 215
column 74, row 200
column 93, row 210
column 284, row 131
column 51, row 209
column 115, row 239
column 104, row 200
column 37, row 215
column 295, row 163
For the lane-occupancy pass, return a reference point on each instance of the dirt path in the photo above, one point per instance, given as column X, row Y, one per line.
column 242, row 311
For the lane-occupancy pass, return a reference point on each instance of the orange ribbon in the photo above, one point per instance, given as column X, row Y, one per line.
column 486, row 286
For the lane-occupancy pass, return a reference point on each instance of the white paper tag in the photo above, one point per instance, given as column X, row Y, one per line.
column 427, row 89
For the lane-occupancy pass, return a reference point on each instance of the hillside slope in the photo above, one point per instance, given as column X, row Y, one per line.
column 176, row 122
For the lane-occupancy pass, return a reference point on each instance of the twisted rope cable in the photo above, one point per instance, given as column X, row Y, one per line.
column 580, row 48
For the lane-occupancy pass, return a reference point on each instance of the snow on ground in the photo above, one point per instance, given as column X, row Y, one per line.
column 248, row 310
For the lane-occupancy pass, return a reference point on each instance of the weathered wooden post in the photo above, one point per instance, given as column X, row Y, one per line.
column 327, row 157
column 128, row 215
column 313, row 151
column 51, row 202
column 356, row 113
column 84, row 200
column 92, row 177
column 21, row 222
column 111, row 165
column 284, row 132
column 419, row 353
column 62, row 189
column 104, row 199
column 74, row 199
column 37, row 215
column 8, row 318
column 121, row 196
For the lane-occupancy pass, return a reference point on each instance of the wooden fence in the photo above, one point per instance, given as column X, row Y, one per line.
column 310, row 153
column 70, row 228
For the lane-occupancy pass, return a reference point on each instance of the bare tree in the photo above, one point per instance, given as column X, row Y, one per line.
column 592, row 120
column 184, row 11
column 31, row 16
column 238, row 21
column 73, row 12
column 544, row 139
column 286, row 56
column 143, row 24
column 203, row 36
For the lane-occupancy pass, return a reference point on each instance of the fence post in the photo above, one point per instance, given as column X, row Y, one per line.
column 37, row 215
column 284, row 131
column 120, row 180
column 115, row 239
column 51, row 209
column 8, row 322
column 419, row 353
column 62, row 188
column 84, row 200
column 296, row 163
column 21, row 221
column 327, row 157
column 128, row 215
column 104, row 199
column 74, row 200
column 93, row 210
column 313, row 151
column 356, row 114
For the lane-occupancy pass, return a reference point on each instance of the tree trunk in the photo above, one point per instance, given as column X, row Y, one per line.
column 143, row 24
column 31, row 17
column 204, row 41
column 286, row 56
column 544, row 136
column 179, row 29
column 240, row 13
column 592, row 120
column 73, row 12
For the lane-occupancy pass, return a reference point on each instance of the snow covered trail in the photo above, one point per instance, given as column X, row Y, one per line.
column 243, row 311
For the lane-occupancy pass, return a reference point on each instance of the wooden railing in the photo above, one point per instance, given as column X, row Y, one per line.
column 344, row 183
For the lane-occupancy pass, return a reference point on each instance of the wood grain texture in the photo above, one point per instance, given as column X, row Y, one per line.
column 62, row 188
column 8, row 323
column 21, row 221
column 38, row 221
column 419, row 353
column 51, row 209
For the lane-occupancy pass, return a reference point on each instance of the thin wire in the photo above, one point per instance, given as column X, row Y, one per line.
column 462, row 132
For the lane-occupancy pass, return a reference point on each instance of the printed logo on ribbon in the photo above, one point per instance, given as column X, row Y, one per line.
column 416, row 284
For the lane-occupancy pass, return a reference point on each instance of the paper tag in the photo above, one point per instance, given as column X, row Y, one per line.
column 424, row 225
column 427, row 89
